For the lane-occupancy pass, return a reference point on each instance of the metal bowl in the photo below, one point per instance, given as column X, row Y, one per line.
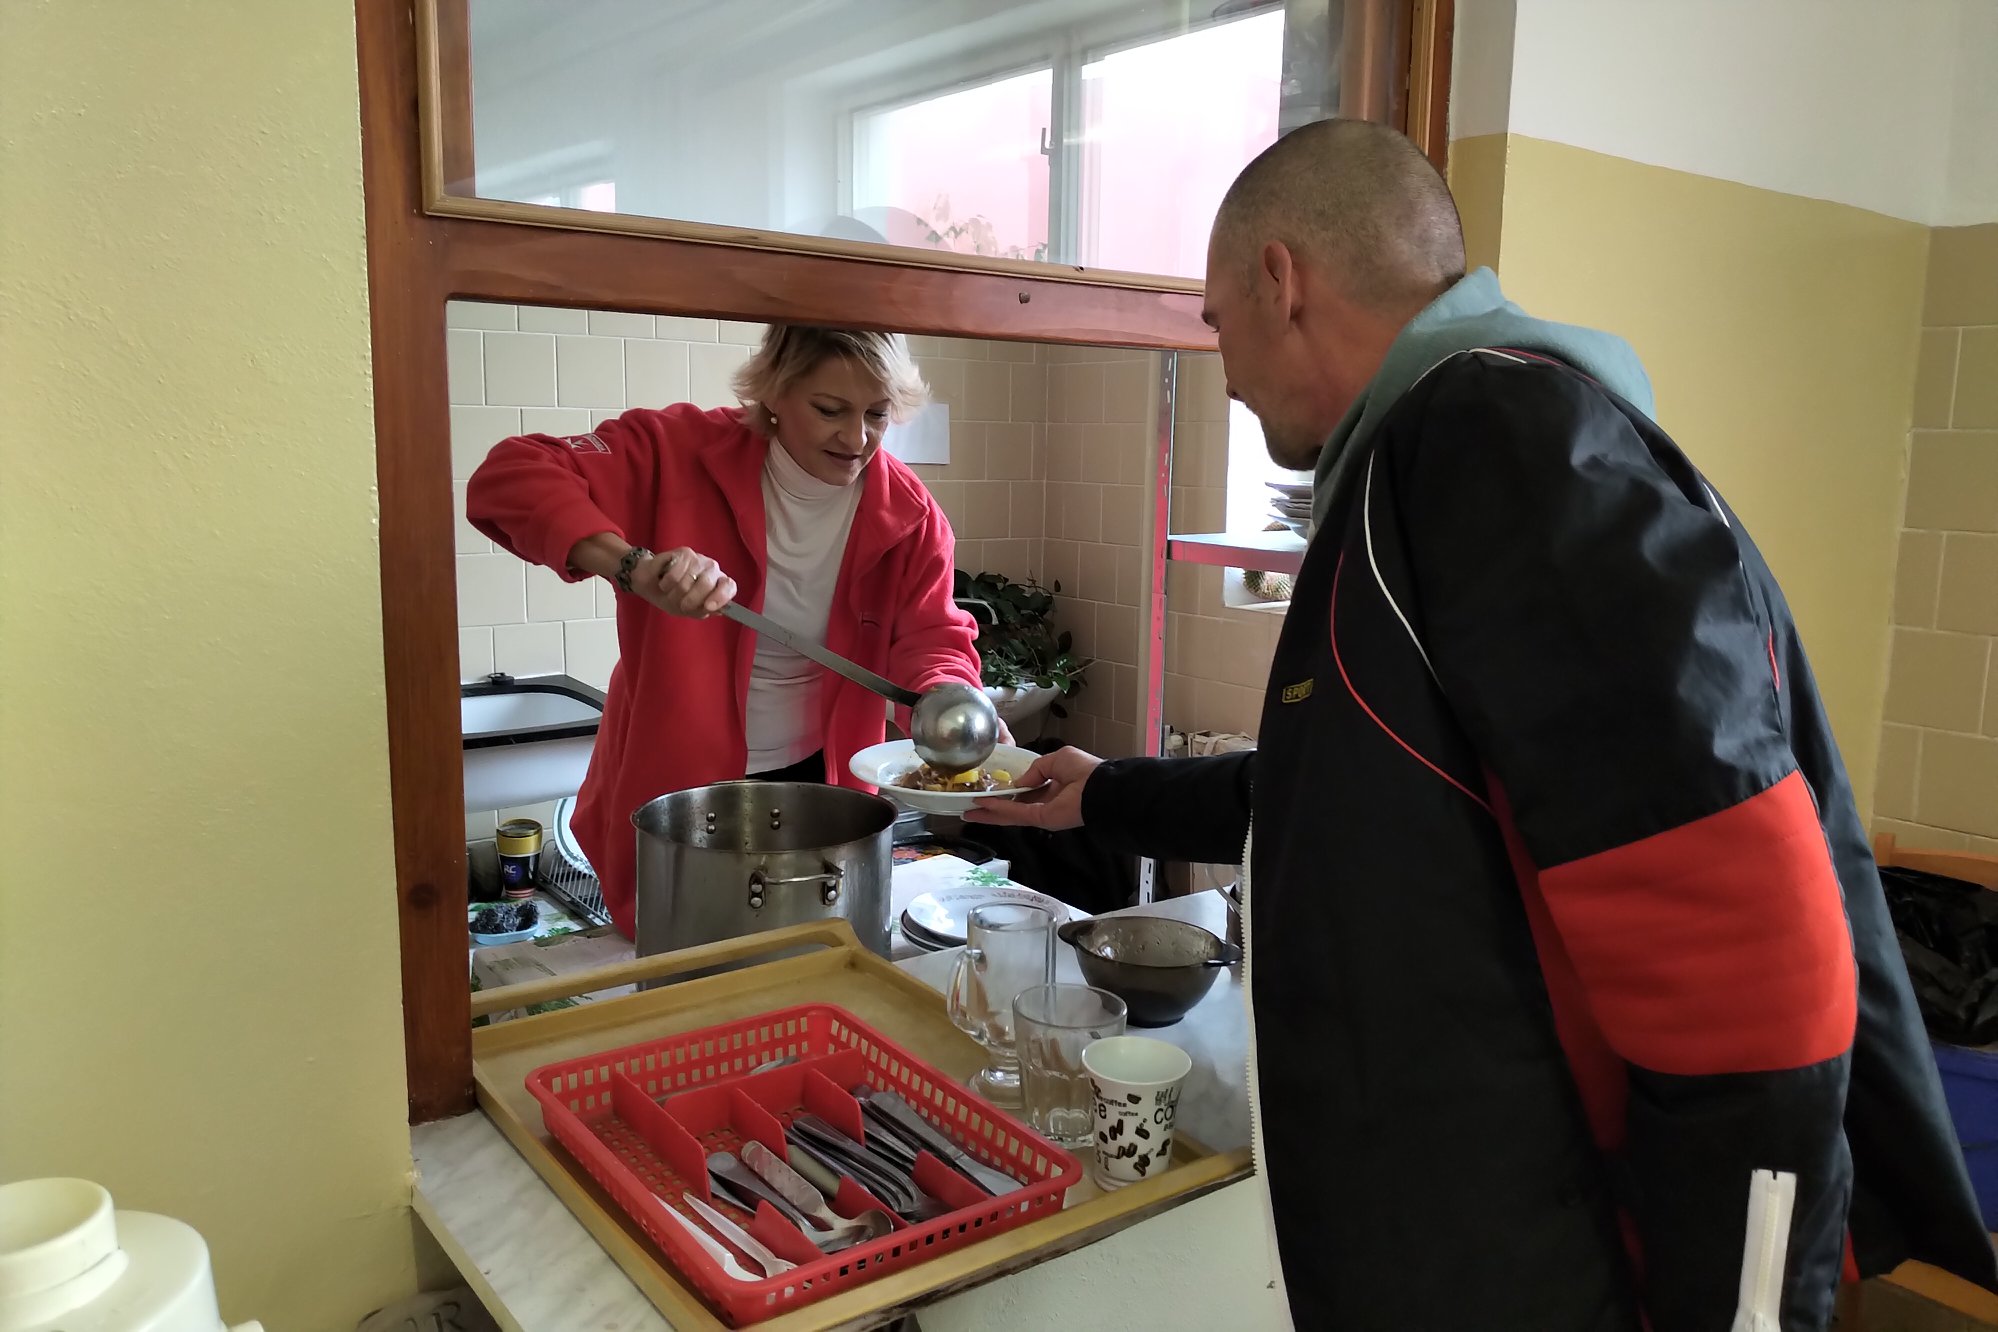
column 1159, row 967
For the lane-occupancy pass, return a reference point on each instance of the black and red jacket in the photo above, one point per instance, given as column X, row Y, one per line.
column 1564, row 926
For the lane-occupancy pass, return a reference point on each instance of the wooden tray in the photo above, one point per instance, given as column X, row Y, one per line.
column 820, row 962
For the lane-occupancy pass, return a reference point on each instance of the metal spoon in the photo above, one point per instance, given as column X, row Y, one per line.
column 870, row 1224
column 743, row 1182
column 954, row 725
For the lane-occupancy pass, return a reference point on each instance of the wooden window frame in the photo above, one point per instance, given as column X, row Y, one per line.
column 423, row 251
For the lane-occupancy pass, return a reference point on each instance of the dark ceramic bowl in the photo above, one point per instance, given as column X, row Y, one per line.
column 1159, row 967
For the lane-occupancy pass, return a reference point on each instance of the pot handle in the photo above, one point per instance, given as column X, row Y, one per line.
column 828, row 879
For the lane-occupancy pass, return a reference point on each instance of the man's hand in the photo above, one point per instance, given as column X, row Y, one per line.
column 1057, row 806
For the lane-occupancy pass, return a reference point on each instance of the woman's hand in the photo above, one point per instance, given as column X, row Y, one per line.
column 683, row 582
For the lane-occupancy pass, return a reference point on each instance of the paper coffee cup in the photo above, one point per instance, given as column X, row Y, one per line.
column 1135, row 1082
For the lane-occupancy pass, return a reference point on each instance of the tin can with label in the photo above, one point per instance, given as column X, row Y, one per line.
column 519, row 842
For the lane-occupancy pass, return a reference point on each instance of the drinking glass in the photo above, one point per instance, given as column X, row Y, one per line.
column 1008, row 947
column 1051, row 1026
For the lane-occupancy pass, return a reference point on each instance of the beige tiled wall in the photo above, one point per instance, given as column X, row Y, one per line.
column 992, row 490
column 1938, row 776
column 1217, row 657
column 1102, row 410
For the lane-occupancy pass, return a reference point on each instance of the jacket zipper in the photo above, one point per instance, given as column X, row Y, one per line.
column 1255, row 1112
column 1772, row 1196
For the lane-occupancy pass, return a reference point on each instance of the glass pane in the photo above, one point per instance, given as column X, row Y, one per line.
column 1192, row 110
column 965, row 171
column 1099, row 132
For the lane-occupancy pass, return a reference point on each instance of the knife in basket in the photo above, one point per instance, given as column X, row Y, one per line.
column 840, row 1153
column 901, row 1117
column 740, row 1238
column 709, row 1244
column 890, row 1184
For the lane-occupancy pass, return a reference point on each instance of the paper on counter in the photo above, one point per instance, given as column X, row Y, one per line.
column 554, row 955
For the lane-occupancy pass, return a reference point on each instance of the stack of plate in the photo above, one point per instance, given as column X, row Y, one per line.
column 1292, row 505
column 935, row 920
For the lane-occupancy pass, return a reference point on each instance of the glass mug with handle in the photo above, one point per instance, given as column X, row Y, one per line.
column 1009, row 946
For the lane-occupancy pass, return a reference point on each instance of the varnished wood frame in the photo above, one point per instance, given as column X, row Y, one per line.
column 418, row 259
column 1398, row 88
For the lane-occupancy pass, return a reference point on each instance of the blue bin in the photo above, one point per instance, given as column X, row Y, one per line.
column 1970, row 1085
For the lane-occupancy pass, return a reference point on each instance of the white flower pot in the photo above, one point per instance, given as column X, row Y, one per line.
column 1024, row 708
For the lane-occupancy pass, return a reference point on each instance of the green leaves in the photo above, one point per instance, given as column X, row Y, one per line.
column 1019, row 645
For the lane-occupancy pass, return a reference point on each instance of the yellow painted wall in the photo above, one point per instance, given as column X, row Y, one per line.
column 199, row 1004
column 1781, row 333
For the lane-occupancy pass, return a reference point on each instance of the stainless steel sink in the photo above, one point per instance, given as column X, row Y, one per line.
column 526, row 740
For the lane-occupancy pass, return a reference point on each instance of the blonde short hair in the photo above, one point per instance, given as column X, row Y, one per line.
column 792, row 351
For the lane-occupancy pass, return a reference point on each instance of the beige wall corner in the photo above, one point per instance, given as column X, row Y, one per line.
column 199, row 993
column 1477, row 179
column 1781, row 333
column 1939, row 746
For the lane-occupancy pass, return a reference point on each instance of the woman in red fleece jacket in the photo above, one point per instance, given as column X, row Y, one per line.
column 822, row 532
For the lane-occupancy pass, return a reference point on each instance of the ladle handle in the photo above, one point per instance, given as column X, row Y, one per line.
column 818, row 652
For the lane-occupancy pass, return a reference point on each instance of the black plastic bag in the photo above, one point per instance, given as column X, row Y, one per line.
column 1949, row 936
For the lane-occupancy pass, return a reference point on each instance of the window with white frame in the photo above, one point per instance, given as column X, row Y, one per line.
column 1070, row 159
column 965, row 170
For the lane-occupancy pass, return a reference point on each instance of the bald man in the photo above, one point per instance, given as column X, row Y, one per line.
column 1575, row 1001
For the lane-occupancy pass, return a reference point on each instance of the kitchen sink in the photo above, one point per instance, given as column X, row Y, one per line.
column 526, row 740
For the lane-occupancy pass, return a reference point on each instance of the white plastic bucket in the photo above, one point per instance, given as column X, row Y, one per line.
column 68, row 1259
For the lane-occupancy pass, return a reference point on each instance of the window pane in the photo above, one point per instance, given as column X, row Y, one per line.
column 888, row 121
column 963, row 171
column 599, row 196
column 1191, row 110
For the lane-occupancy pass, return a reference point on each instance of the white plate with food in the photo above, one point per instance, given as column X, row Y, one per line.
column 905, row 779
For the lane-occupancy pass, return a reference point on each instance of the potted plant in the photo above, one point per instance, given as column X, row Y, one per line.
column 1029, row 666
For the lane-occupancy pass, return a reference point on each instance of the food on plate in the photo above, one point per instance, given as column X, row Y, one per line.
column 923, row 777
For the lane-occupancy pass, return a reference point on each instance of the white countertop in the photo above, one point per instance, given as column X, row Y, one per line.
column 537, row 1269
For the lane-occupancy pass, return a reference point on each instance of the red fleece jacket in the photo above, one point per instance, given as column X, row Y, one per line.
column 674, row 717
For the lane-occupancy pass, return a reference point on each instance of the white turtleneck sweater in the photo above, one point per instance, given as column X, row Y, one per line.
column 808, row 521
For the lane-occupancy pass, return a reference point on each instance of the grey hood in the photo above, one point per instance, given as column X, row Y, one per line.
column 1472, row 314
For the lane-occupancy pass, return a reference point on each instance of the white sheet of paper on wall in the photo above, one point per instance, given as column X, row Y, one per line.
column 922, row 439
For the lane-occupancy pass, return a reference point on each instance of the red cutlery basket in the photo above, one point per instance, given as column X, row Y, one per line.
column 643, row 1120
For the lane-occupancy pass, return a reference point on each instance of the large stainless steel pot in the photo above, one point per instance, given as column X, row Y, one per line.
column 736, row 858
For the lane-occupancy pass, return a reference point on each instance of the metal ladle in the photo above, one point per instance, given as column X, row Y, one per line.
column 953, row 725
